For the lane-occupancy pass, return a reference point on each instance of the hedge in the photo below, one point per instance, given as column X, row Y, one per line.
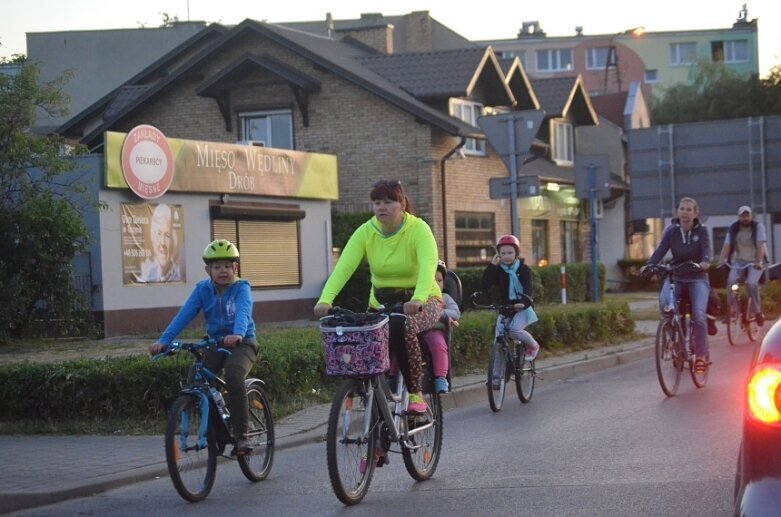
column 291, row 364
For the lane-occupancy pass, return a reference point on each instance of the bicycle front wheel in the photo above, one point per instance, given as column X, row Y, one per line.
column 497, row 378
column 190, row 453
column 669, row 362
column 260, row 432
column 752, row 329
column 421, row 455
column 733, row 323
column 349, row 449
column 524, row 377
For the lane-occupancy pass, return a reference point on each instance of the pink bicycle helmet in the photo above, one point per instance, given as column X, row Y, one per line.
column 509, row 240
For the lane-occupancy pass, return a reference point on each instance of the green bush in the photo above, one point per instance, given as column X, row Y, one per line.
column 291, row 365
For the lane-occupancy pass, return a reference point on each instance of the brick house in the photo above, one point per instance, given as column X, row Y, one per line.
column 411, row 116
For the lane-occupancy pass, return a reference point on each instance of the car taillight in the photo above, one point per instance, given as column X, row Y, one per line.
column 764, row 395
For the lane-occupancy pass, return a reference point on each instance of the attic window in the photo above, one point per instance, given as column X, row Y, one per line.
column 563, row 151
column 468, row 111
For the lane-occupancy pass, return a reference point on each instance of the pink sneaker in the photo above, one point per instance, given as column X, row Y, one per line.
column 416, row 405
column 531, row 352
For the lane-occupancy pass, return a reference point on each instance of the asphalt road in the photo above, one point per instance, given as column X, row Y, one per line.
column 609, row 443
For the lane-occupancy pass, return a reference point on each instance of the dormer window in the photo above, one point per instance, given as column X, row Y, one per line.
column 468, row 111
column 563, row 144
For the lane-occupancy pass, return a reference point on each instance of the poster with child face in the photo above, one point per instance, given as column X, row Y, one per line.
column 152, row 243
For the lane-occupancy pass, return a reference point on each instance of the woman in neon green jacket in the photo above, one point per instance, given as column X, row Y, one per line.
column 402, row 256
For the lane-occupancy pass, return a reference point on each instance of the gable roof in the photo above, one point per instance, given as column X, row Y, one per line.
column 519, row 84
column 334, row 56
column 443, row 74
column 129, row 88
column 564, row 97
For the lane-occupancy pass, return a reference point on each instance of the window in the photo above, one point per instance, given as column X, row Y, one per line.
column 729, row 51
column 269, row 250
column 539, row 240
column 683, row 53
column 596, row 58
column 563, row 142
column 475, row 235
column 468, row 111
column 570, row 242
column 651, row 76
column 509, row 54
column 554, row 60
column 272, row 128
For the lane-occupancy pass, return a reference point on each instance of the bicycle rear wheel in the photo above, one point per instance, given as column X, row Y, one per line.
column 733, row 323
column 669, row 362
column 191, row 456
column 349, row 452
column 524, row 377
column 422, row 456
column 260, row 432
column 497, row 375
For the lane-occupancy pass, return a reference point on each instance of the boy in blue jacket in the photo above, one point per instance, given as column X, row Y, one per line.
column 226, row 302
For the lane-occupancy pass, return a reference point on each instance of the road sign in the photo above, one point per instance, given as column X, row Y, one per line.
column 526, row 124
column 601, row 171
column 528, row 186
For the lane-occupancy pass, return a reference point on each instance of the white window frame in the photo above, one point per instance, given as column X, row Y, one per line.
column 563, row 142
column 554, row 60
column 246, row 117
column 679, row 56
column 596, row 58
column 730, row 51
column 468, row 111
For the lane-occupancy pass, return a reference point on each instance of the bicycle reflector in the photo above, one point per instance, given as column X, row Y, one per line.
column 764, row 394
column 734, row 287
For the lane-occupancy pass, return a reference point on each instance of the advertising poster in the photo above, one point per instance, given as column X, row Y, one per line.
column 152, row 243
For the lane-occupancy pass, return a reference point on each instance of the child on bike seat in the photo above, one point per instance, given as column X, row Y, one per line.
column 513, row 277
column 435, row 338
column 226, row 303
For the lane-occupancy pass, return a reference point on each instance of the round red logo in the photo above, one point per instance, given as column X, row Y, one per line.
column 147, row 162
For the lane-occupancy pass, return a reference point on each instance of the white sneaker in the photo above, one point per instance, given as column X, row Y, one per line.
column 531, row 352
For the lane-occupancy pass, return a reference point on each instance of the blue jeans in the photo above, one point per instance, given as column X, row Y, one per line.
column 752, row 283
column 698, row 289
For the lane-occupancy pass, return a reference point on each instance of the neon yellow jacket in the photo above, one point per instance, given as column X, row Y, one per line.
column 406, row 259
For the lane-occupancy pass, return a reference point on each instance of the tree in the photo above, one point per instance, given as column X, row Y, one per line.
column 717, row 93
column 42, row 194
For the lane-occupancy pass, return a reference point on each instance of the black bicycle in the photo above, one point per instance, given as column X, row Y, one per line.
column 507, row 357
column 674, row 340
column 199, row 430
column 369, row 412
column 741, row 315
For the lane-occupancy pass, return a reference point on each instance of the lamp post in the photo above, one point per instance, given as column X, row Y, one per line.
column 611, row 60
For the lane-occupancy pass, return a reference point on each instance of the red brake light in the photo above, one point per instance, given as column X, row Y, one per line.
column 764, row 395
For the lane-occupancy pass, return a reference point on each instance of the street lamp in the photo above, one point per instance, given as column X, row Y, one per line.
column 611, row 60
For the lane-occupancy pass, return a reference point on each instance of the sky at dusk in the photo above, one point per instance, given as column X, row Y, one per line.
column 482, row 21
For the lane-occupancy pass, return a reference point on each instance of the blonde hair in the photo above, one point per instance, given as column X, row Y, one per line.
column 692, row 201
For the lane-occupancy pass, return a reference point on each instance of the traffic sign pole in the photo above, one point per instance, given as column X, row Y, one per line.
column 592, row 200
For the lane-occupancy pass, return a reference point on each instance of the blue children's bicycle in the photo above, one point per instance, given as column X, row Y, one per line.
column 199, row 428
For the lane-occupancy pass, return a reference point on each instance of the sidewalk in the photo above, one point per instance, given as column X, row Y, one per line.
column 77, row 466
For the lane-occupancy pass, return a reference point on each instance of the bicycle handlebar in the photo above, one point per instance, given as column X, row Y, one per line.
column 526, row 301
column 668, row 269
column 204, row 344
column 352, row 318
column 746, row 266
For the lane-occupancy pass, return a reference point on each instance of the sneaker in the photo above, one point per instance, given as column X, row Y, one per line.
column 701, row 365
column 243, row 447
column 531, row 352
column 416, row 404
column 760, row 319
column 441, row 385
column 379, row 459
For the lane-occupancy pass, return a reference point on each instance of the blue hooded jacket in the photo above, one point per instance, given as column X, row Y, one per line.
column 230, row 313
